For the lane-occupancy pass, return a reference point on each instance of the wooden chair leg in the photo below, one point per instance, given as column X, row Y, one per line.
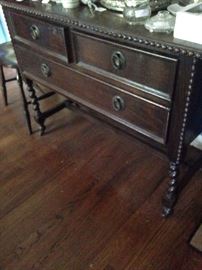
column 3, row 85
column 25, row 102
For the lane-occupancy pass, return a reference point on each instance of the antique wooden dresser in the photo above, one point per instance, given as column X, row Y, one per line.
column 145, row 83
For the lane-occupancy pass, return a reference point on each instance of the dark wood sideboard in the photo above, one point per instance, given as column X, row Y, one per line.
column 147, row 84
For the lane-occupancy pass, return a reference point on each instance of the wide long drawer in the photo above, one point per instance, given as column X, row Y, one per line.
column 130, row 110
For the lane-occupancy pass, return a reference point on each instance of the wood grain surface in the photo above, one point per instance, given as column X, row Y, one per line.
column 87, row 196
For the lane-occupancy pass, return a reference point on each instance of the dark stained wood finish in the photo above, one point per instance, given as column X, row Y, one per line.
column 92, row 52
column 87, row 196
column 8, row 60
column 50, row 38
column 161, row 73
column 139, row 114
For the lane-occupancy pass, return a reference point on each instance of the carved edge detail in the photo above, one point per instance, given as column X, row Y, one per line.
column 140, row 41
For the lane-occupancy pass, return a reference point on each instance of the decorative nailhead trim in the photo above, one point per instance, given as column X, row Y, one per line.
column 65, row 20
column 184, row 122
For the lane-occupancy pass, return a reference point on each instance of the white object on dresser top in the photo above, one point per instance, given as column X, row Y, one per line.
column 188, row 24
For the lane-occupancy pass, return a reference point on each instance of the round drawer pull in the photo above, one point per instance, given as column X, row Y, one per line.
column 118, row 103
column 118, row 60
column 45, row 69
column 34, row 32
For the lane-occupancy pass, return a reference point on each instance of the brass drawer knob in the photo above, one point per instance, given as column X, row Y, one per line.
column 45, row 69
column 118, row 103
column 34, row 32
column 118, row 60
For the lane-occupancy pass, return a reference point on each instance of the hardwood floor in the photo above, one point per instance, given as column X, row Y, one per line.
column 86, row 196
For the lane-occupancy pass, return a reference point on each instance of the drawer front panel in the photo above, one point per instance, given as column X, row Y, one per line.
column 49, row 37
column 136, row 113
column 147, row 69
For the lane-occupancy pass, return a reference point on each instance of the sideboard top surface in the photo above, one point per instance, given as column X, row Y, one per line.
column 107, row 22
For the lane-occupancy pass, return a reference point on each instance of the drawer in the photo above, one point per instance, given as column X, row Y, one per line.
column 152, row 72
column 48, row 37
column 136, row 113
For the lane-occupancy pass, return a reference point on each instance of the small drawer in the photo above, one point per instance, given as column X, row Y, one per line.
column 48, row 37
column 152, row 72
column 138, row 114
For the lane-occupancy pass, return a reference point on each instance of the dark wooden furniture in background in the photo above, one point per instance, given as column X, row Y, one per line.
column 8, row 60
column 147, row 84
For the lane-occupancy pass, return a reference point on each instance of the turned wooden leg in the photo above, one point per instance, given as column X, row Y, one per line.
column 36, row 107
column 25, row 103
column 3, row 85
column 172, row 191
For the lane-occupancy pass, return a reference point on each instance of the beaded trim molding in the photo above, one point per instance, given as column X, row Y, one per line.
column 67, row 21
column 186, row 110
